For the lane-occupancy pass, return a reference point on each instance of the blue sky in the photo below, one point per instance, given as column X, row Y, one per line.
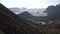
column 29, row 3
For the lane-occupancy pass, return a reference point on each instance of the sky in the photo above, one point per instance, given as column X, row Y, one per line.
column 29, row 3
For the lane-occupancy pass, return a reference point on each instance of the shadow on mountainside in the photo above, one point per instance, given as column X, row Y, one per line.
column 12, row 24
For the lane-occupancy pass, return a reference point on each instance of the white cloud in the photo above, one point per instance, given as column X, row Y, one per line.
column 29, row 3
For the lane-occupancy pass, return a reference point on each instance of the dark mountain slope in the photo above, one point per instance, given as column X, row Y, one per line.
column 26, row 15
column 53, row 11
column 12, row 24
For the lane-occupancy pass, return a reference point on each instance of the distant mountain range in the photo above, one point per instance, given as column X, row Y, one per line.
column 17, row 10
column 45, row 14
column 28, row 16
column 30, row 13
column 38, row 12
column 34, row 12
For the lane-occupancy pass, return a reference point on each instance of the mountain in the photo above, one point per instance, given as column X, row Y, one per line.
column 17, row 10
column 53, row 15
column 26, row 15
column 10, row 23
column 33, row 14
column 53, row 11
